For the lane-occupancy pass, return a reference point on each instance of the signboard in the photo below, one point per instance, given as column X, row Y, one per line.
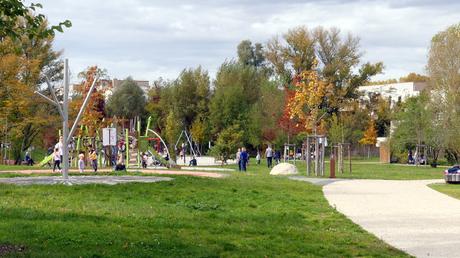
column 109, row 136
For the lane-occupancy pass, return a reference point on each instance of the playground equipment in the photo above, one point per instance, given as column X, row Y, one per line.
column 64, row 113
column 5, row 145
column 152, row 143
column 341, row 147
column 194, row 150
column 288, row 153
column 315, row 149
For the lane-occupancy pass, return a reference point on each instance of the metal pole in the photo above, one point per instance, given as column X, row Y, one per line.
column 65, row 126
column 127, row 147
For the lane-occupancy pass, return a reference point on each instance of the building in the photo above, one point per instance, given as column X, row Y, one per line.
column 395, row 92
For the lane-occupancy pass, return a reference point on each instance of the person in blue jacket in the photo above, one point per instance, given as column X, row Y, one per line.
column 244, row 159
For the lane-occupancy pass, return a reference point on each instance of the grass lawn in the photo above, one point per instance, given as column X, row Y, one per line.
column 449, row 189
column 363, row 169
column 245, row 215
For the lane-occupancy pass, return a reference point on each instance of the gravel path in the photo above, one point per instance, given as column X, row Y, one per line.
column 406, row 214
column 145, row 171
column 82, row 180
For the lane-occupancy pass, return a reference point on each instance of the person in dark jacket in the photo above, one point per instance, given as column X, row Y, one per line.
column 244, row 157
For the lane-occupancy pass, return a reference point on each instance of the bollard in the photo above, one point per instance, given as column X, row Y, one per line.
column 332, row 164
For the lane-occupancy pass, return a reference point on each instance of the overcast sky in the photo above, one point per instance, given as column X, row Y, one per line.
column 148, row 39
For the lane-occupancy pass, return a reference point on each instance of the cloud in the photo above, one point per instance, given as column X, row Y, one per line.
column 148, row 39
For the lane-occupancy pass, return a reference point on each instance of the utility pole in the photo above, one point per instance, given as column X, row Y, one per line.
column 64, row 113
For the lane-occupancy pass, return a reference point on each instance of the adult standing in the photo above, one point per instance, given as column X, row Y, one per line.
column 244, row 157
column 269, row 156
column 59, row 147
column 238, row 158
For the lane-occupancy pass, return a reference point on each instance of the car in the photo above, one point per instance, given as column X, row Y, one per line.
column 452, row 175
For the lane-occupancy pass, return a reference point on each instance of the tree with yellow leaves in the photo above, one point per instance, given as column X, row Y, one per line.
column 311, row 93
column 370, row 137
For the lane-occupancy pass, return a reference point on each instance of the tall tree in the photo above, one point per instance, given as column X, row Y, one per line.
column 444, row 71
column 127, row 101
column 335, row 57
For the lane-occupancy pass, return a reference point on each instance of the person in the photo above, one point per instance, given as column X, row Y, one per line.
column 29, row 160
column 269, row 156
column 93, row 158
column 244, row 157
column 238, row 158
column 57, row 160
column 120, row 163
column 410, row 159
column 277, row 156
column 258, row 158
column 81, row 162
column 59, row 147
column 144, row 160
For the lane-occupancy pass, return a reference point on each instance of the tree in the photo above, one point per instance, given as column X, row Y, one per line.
column 237, row 90
column 227, row 143
column 444, row 71
column 95, row 113
column 249, row 54
column 414, row 77
column 335, row 57
column 24, row 60
column 370, row 137
column 308, row 101
column 173, row 130
column 128, row 101
column 13, row 13
column 417, row 123
column 190, row 95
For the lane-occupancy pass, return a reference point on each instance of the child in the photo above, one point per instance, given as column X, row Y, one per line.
column 93, row 158
column 258, row 158
column 144, row 160
column 57, row 160
column 81, row 162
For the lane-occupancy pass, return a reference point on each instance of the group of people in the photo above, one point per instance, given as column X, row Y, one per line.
column 58, row 158
column 242, row 157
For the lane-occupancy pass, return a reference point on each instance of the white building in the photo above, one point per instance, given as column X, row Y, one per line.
column 394, row 91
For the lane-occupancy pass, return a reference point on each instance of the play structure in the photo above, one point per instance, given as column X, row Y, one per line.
column 315, row 147
column 188, row 146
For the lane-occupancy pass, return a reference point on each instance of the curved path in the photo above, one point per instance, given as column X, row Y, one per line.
column 406, row 214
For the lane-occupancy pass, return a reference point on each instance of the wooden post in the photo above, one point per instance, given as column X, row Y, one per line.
column 308, row 157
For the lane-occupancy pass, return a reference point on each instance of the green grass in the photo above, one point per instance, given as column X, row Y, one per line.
column 363, row 169
column 245, row 215
column 449, row 189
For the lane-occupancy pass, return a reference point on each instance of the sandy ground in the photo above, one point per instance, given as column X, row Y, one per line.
column 406, row 214
column 149, row 171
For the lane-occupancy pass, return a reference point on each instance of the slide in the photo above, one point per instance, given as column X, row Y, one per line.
column 45, row 160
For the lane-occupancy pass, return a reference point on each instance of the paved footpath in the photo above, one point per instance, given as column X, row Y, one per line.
column 406, row 214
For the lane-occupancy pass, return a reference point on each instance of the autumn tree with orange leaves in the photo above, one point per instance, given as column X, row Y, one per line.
column 94, row 115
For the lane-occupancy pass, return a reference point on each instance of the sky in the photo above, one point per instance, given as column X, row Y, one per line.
column 148, row 39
